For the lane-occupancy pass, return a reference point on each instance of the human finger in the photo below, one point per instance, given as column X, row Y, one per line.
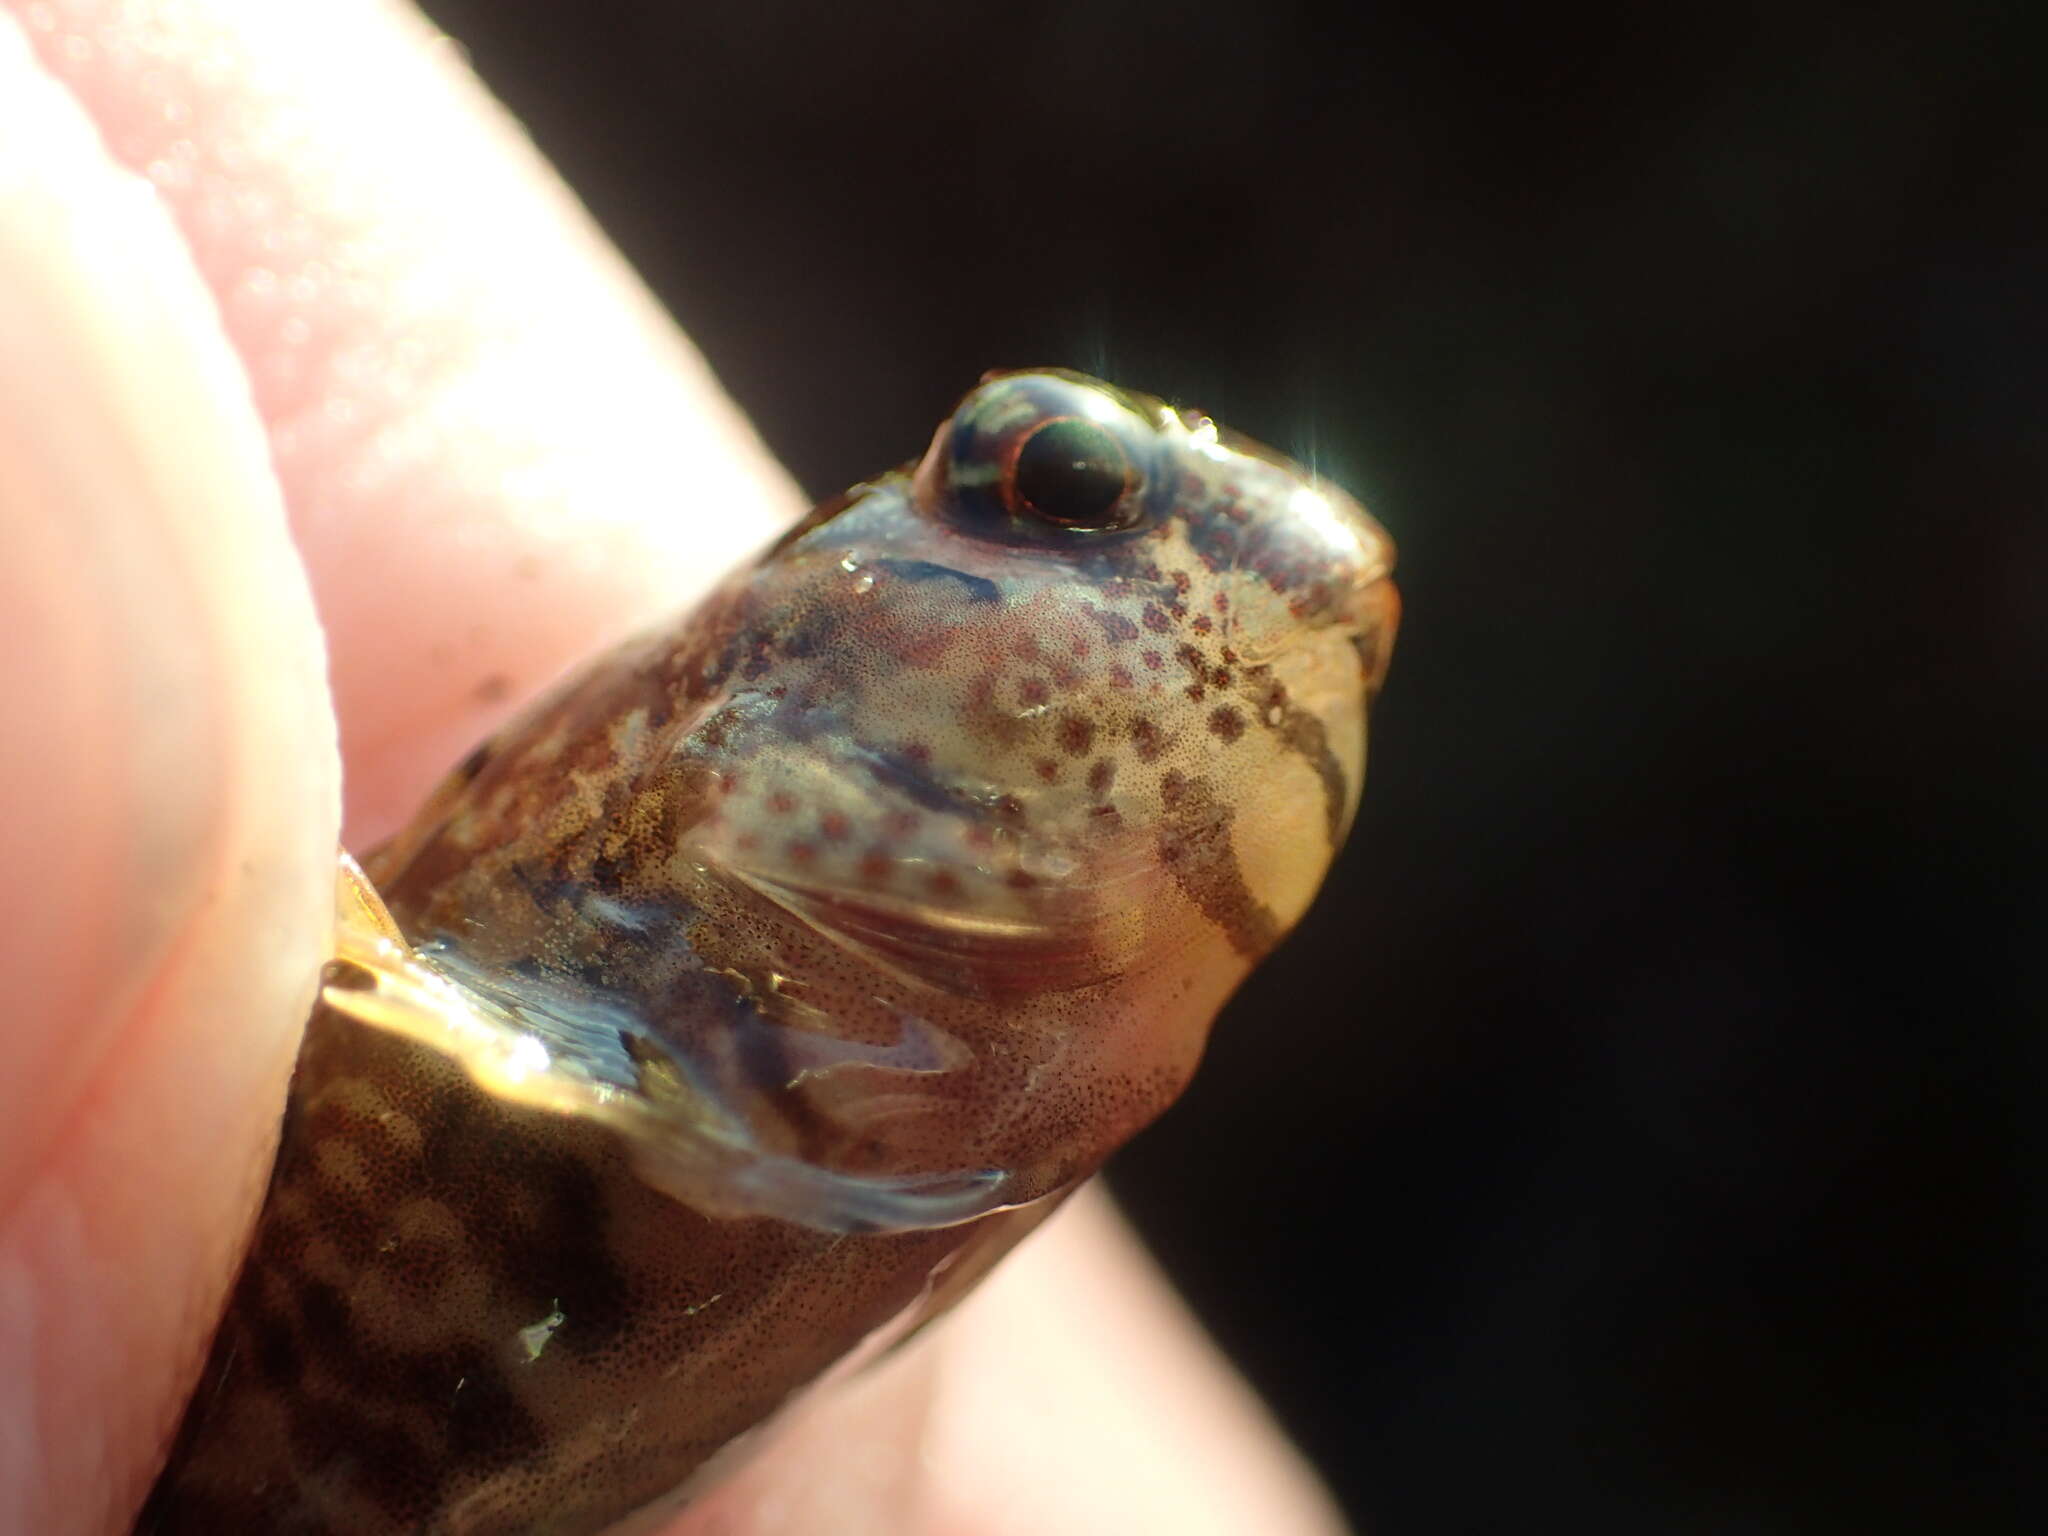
column 168, row 802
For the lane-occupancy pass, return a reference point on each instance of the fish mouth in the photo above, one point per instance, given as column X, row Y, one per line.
column 1376, row 623
column 927, row 947
column 1353, row 548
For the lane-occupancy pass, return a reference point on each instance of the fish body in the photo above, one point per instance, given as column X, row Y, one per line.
column 738, row 1005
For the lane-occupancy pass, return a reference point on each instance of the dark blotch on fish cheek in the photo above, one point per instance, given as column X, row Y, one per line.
column 1195, row 848
column 1305, row 734
column 1118, row 627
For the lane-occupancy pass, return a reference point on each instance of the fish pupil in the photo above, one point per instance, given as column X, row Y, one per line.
column 1071, row 472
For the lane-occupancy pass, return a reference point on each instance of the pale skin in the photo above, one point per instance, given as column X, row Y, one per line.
column 329, row 429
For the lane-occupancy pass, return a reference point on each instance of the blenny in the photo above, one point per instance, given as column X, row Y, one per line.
column 737, row 1006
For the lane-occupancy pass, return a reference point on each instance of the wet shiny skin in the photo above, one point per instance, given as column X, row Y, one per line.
column 760, row 987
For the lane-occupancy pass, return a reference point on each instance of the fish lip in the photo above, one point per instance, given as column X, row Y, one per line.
column 1377, row 605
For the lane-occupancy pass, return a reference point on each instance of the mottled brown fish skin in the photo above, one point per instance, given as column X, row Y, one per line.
column 917, row 859
column 379, row 1371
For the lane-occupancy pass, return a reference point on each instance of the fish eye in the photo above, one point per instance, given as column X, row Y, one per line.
column 1072, row 473
column 1040, row 457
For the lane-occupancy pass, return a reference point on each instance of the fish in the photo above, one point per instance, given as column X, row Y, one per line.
column 720, row 1021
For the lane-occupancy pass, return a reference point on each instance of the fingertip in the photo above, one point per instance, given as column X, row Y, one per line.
column 498, row 454
column 167, row 772
column 1078, row 1394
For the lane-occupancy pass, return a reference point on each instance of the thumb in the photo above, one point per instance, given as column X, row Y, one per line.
column 168, row 812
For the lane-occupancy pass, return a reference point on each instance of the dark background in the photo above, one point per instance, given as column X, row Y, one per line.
column 1643, row 1133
